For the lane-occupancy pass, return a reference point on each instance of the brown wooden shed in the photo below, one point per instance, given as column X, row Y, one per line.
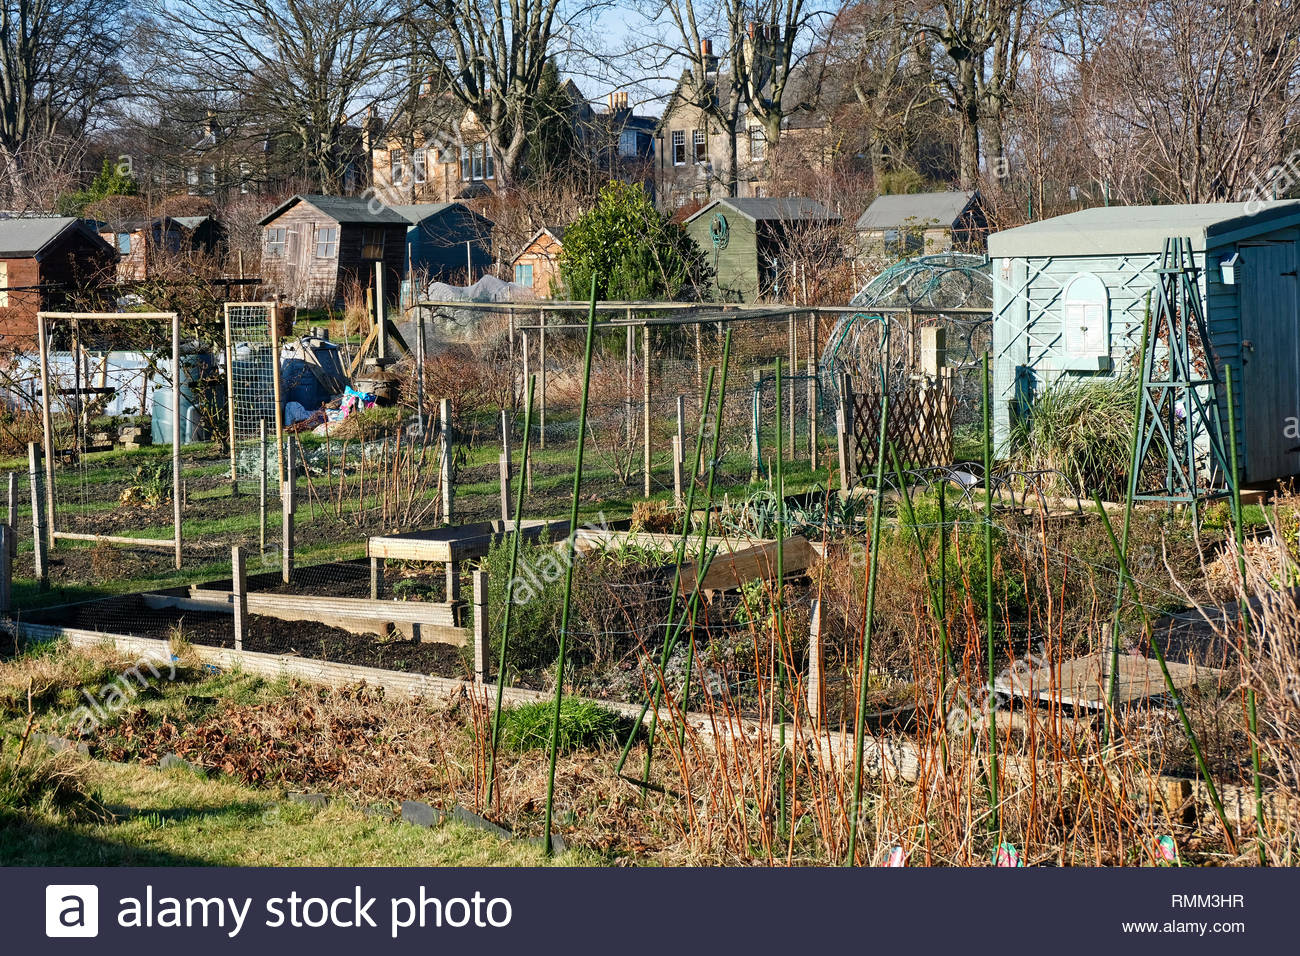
column 314, row 247
column 42, row 261
column 537, row 265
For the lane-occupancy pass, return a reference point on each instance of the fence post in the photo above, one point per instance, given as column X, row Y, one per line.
column 677, row 471
column 377, row 566
column 755, row 449
column 6, row 568
column 816, row 665
column 239, row 592
column 934, row 350
column 261, row 488
column 39, row 559
column 480, row 626
column 13, row 514
column 505, row 465
column 286, row 507
column 541, row 378
column 444, row 417
column 844, row 430
column 794, row 368
column 645, row 402
column 812, row 391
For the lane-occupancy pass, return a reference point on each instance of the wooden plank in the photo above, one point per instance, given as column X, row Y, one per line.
column 456, row 543
column 168, row 543
column 312, row 607
column 731, row 569
column 1081, row 682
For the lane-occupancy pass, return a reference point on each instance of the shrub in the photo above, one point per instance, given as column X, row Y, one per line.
column 1082, row 430
column 583, row 726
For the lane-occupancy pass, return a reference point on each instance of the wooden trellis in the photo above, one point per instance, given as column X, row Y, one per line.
column 920, row 424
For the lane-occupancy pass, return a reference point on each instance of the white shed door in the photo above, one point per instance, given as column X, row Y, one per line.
column 1270, row 357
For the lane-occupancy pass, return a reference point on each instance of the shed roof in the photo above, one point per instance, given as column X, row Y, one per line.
column 1119, row 230
column 900, row 209
column 29, row 237
column 417, row 213
column 780, row 209
column 344, row 209
column 555, row 232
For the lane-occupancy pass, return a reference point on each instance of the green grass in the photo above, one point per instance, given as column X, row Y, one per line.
column 583, row 725
column 174, row 817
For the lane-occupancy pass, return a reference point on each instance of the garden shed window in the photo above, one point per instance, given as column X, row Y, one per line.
column 1086, row 314
column 372, row 243
column 524, row 274
column 327, row 242
column 275, row 242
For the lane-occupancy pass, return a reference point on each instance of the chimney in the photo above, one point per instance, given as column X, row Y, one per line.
column 751, row 29
column 613, row 98
column 706, row 49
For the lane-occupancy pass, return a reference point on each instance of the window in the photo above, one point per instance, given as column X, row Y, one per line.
column 476, row 162
column 701, row 147
column 418, row 165
column 275, row 242
column 757, row 144
column 372, row 243
column 679, row 147
column 124, row 243
column 627, row 143
column 524, row 274
column 1087, row 318
column 327, row 242
column 397, row 163
column 4, row 284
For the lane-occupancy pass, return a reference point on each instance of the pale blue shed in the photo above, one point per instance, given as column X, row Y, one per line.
column 1069, row 295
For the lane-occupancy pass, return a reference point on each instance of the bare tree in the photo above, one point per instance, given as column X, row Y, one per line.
column 305, row 69
column 58, row 67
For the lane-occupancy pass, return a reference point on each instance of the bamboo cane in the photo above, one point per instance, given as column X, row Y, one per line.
column 988, row 601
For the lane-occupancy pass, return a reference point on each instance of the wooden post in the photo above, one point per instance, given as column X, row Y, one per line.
column 816, row 665
column 934, row 350
column 47, row 424
column 523, row 345
column 699, row 365
column 13, row 514
column 381, row 316
column 679, row 452
column 261, row 487
column 286, row 513
column 645, row 404
column 275, row 388
column 39, row 540
column 480, row 626
column 504, row 465
column 794, row 369
column 376, row 577
column 453, row 590
column 230, row 406
column 6, row 568
column 444, row 417
column 541, row 378
column 239, row 592
column 176, row 433
column 844, row 432
column 756, row 424
column 419, row 368
column 812, row 390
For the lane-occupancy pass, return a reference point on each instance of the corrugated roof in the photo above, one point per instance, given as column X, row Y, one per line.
column 914, row 209
column 774, row 209
column 1118, row 230
column 341, row 209
column 27, row 237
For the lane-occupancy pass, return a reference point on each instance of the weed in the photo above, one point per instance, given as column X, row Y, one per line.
column 583, row 726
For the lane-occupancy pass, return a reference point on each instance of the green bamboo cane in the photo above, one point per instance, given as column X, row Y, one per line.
column 1127, row 579
column 936, row 597
column 666, row 649
column 510, row 591
column 988, row 599
column 1112, row 686
column 570, row 550
column 1239, row 532
column 779, row 710
column 706, row 558
column 860, row 725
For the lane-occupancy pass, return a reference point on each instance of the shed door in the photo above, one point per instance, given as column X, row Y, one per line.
column 1270, row 350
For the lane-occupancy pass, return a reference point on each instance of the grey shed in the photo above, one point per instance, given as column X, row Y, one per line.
column 925, row 222
column 1070, row 294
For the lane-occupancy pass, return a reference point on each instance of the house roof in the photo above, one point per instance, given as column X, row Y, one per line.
column 1117, row 230
column 775, row 209
column 902, row 209
column 30, row 237
column 344, row 209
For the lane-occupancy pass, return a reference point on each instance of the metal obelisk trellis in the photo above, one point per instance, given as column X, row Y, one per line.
column 1178, row 405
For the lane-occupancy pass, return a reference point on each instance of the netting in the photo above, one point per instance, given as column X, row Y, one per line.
column 250, row 348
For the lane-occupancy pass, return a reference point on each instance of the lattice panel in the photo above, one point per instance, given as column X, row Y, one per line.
column 920, row 425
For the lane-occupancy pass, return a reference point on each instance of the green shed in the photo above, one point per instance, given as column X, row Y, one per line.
column 1070, row 294
column 746, row 240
